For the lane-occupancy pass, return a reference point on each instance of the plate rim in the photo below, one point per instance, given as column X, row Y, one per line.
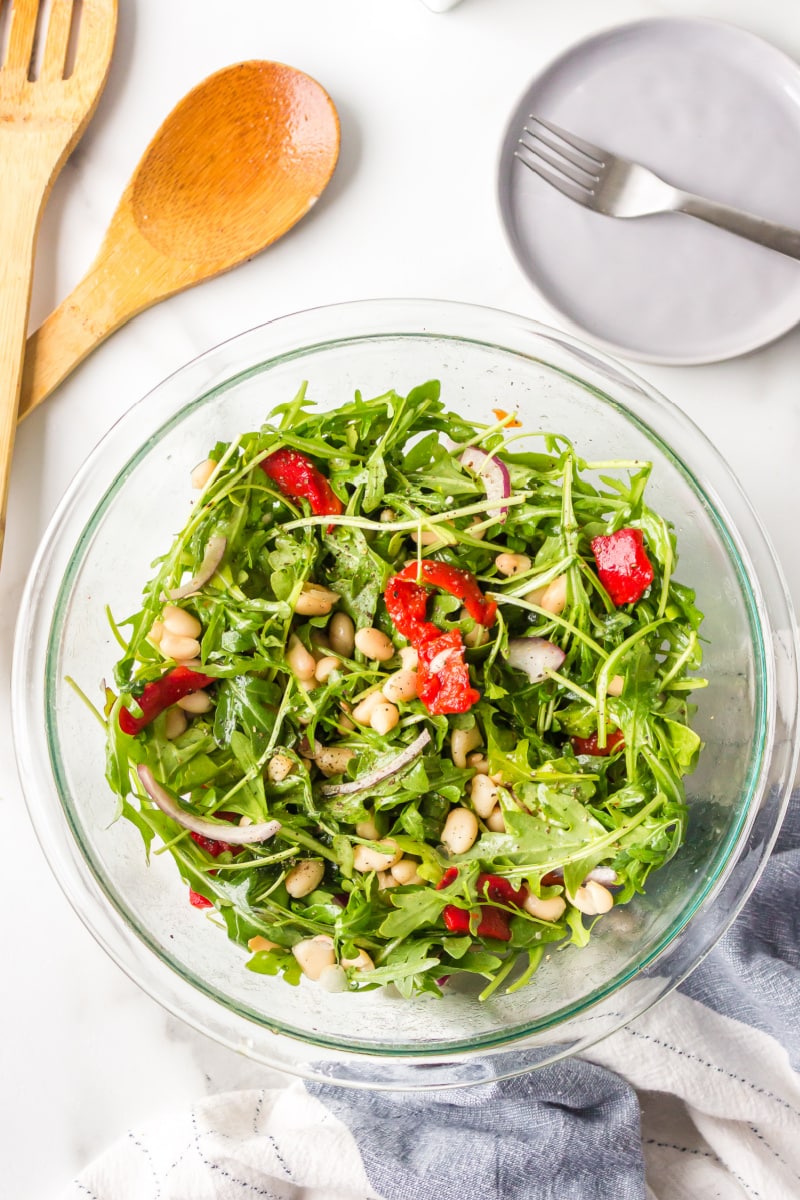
column 502, row 190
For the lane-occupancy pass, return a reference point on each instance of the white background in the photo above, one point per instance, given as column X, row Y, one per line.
column 423, row 100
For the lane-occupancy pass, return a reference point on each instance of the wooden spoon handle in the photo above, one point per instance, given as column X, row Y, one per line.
column 20, row 205
column 127, row 277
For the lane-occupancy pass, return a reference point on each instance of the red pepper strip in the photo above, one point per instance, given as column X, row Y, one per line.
column 160, row 694
column 297, row 477
column 493, row 922
column 501, row 890
column 406, row 603
column 461, row 584
column 198, row 901
column 622, row 564
column 443, row 683
column 588, row 745
column 213, row 845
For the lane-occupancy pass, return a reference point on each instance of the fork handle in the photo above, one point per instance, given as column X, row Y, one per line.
column 20, row 207
column 756, row 229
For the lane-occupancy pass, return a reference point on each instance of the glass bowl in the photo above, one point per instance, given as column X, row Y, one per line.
column 123, row 509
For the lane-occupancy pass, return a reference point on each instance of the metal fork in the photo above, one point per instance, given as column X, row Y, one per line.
column 617, row 187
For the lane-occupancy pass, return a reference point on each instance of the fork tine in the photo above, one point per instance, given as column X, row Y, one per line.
column 587, row 148
column 559, row 181
column 58, row 33
column 588, row 165
column 577, row 174
column 23, row 29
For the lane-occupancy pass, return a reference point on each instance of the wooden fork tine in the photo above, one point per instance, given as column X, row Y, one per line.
column 58, row 31
column 24, row 15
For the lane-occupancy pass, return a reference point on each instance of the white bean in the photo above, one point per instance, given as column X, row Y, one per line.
column 374, row 644
column 304, row 878
column 401, row 687
column 405, row 871
column 513, row 564
column 386, row 880
column 388, row 514
column 364, row 708
column 615, row 685
column 478, row 762
column 384, row 717
column 460, row 830
column 483, row 794
column 545, row 910
column 461, row 742
column 367, row 859
column 156, row 632
column 333, row 760
column 174, row 724
column 180, row 622
column 361, row 962
column 592, row 898
column 496, row 821
column 261, row 943
column 326, row 666
column 299, row 660
column 477, row 636
column 197, row 702
column 369, row 830
column 428, row 537
column 409, row 658
column 341, row 634
column 278, row 767
column 202, row 473
column 179, row 648
column 315, row 601
column 314, row 955
column 333, row 979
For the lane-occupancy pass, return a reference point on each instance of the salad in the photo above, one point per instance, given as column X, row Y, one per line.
column 405, row 700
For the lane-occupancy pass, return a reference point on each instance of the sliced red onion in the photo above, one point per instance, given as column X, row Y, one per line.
column 215, row 552
column 535, row 656
column 492, row 473
column 373, row 778
column 235, row 835
column 604, row 875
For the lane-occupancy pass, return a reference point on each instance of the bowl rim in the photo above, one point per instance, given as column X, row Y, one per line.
column 360, row 321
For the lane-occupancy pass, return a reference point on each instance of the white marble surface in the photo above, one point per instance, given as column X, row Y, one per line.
column 411, row 212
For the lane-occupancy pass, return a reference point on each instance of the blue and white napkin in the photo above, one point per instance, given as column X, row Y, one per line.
column 698, row 1099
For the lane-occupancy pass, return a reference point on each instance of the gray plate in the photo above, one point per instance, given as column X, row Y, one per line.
column 714, row 110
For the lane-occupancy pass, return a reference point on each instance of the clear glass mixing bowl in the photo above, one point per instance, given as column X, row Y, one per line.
column 132, row 496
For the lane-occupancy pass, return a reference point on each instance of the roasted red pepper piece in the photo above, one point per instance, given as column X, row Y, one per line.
column 163, row 693
column 493, row 922
column 198, row 901
column 298, row 478
column 443, row 683
column 588, row 745
column 213, row 845
column 450, row 876
column 406, row 603
column 622, row 564
column 502, row 891
column 461, row 584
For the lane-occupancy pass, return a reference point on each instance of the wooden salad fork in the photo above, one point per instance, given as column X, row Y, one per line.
column 51, row 77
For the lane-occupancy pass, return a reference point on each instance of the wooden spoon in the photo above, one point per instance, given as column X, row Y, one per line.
column 234, row 166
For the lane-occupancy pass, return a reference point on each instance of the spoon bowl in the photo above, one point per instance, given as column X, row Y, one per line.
column 234, row 166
